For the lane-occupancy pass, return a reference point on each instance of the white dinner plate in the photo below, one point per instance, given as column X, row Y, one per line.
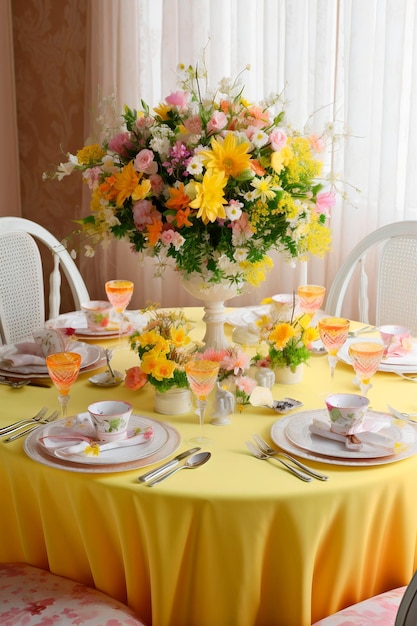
column 92, row 357
column 329, row 452
column 165, row 442
column 403, row 364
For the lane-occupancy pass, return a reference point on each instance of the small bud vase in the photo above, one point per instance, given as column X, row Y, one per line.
column 287, row 376
column 175, row 401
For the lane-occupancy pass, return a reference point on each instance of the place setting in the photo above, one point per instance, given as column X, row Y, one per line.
column 108, row 437
column 27, row 359
column 346, row 431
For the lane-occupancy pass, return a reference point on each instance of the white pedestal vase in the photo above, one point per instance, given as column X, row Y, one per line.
column 213, row 296
column 287, row 376
column 175, row 401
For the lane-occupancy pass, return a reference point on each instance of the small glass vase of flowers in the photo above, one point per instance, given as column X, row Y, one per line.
column 163, row 346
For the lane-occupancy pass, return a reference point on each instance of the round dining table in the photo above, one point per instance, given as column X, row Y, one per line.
column 238, row 541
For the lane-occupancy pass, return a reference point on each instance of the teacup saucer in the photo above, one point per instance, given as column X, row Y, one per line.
column 104, row 379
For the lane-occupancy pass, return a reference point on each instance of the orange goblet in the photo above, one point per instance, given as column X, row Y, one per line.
column 366, row 357
column 201, row 376
column 119, row 293
column 63, row 368
column 310, row 298
column 333, row 333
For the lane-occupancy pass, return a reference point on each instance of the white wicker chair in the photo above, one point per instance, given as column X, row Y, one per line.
column 396, row 286
column 22, row 299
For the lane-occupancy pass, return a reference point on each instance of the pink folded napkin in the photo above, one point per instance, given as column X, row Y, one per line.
column 372, row 432
column 75, row 443
column 400, row 346
column 19, row 354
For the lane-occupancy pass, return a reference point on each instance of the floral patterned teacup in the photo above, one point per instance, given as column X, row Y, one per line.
column 97, row 313
column 110, row 419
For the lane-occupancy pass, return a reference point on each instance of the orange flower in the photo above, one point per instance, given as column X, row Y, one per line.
column 154, row 230
column 257, row 167
column 178, row 198
column 135, row 378
column 182, row 218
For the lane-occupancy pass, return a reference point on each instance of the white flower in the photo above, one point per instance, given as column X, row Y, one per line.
column 195, row 166
column 89, row 251
column 234, row 210
column 65, row 169
column 257, row 136
column 240, row 254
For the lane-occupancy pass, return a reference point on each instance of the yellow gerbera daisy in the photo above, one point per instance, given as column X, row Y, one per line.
column 210, row 197
column 281, row 335
column 227, row 155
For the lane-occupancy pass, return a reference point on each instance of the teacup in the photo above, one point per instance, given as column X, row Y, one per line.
column 285, row 306
column 110, row 419
column 97, row 313
column 392, row 334
column 346, row 411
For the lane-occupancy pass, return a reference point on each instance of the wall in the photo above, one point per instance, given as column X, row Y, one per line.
column 49, row 54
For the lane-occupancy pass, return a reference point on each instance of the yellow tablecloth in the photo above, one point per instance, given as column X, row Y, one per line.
column 237, row 542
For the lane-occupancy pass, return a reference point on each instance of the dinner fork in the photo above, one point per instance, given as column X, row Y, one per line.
column 36, row 418
column 47, row 420
column 256, row 452
column 266, row 448
column 413, row 379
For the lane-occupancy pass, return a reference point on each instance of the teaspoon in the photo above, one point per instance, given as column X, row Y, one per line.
column 193, row 462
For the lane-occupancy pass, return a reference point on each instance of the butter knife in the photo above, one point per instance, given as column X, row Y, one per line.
column 163, row 468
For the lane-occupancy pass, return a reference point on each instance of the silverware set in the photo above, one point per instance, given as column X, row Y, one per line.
column 263, row 451
column 14, row 431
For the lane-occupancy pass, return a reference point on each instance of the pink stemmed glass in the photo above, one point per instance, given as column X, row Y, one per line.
column 63, row 368
column 201, row 376
column 119, row 293
column 310, row 298
column 333, row 333
column 366, row 357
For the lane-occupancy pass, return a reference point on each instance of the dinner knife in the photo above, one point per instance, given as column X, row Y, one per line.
column 31, row 382
column 160, row 470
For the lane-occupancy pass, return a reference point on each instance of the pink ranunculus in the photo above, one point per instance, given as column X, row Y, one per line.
column 173, row 237
column 317, row 143
column 217, row 122
column 121, row 144
column 193, row 125
column 325, row 201
column 142, row 213
column 144, row 162
column 178, row 99
column 92, row 177
column 241, row 228
column 135, row 378
column 278, row 139
column 157, row 184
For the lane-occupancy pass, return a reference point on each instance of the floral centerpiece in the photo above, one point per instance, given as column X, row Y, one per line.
column 163, row 347
column 287, row 343
column 208, row 183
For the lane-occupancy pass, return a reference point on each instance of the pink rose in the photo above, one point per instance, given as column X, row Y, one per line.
column 178, row 99
column 278, row 139
column 193, row 125
column 144, row 162
column 121, row 144
column 324, row 202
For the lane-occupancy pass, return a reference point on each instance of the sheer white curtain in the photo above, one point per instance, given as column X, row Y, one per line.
column 351, row 63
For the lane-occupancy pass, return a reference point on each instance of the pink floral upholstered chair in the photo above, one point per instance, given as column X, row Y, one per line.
column 34, row 597
column 397, row 607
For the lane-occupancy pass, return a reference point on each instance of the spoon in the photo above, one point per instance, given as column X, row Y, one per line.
column 194, row 461
column 402, row 416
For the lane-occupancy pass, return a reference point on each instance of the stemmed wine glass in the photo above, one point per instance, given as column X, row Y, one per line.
column 310, row 298
column 333, row 333
column 63, row 368
column 119, row 293
column 366, row 357
column 201, row 376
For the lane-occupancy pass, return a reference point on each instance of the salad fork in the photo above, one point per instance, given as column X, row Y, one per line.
column 266, row 449
column 256, row 452
column 364, row 329
column 47, row 420
column 5, row 430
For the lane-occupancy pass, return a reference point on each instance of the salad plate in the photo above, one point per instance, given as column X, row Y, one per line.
column 285, row 431
column 164, row 442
